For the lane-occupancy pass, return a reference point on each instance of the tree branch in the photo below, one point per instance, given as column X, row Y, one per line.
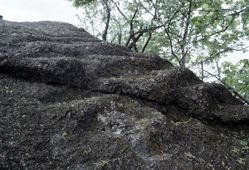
column 186, row 31
column 119, row 10
column 171, row 46
column 229, row 88
column 108, row 12
column 147, row 42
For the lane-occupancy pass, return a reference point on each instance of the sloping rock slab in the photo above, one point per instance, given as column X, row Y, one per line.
column 71, row 101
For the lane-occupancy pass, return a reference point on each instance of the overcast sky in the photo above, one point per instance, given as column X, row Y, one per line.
column 56, row 10
column 39, row 10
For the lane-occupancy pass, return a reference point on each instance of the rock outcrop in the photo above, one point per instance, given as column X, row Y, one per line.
column 71, row 101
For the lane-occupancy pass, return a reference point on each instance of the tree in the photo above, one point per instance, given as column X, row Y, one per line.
column 128, row 26
column 190, row 33
column 200, row 30
column 186, row 30
column 237, row 77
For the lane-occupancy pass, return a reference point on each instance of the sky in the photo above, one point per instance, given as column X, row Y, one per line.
column 58, row 10
column 39, row 10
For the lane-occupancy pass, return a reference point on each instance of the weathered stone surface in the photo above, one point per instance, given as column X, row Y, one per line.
column 71, row 101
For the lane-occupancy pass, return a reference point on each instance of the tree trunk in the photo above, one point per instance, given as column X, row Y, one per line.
column 108, row 17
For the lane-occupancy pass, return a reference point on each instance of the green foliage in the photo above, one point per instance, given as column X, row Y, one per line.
column 80, row 3
column 190, row 33
column 200, row 28
column 237, row 76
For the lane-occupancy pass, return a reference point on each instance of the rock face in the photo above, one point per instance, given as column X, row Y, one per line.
column 71, row 101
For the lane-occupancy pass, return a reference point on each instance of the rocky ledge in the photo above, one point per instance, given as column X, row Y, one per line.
column 71, row 101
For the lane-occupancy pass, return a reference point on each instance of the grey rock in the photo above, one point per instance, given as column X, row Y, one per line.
column 71, row 101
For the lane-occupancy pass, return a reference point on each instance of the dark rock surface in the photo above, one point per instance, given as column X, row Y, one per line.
column 71, row 101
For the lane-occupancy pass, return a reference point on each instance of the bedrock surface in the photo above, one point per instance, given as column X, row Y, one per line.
column 71, row 101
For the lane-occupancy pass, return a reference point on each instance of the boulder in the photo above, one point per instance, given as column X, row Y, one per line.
column 71, row 101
